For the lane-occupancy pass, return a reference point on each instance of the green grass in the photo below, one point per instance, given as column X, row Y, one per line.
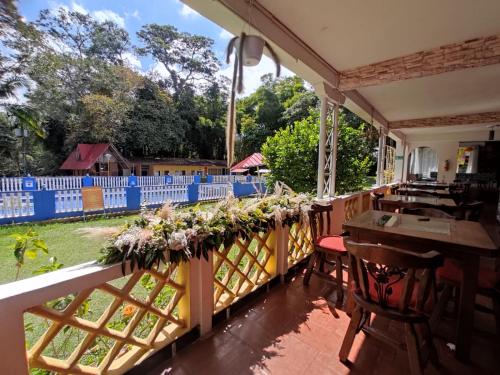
column 64, row 241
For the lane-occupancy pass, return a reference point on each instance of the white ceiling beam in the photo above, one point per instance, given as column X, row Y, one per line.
column 472, row 53
column 475, row 118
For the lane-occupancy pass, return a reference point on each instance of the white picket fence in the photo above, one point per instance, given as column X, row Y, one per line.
column 162, row 194
column 183, row 180
column 150, row 180
column 115, row 197
column 213, row 191
column 71, row 200
column 110, row 181
column 58, row 183
column 11, row 184
column 15, row 204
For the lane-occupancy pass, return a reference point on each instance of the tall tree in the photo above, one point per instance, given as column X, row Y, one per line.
column 189, row 59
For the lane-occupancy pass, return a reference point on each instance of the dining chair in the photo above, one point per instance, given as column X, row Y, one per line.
column 488, row 284
column 375, row 197
column 471, row 211
column 325, row 246
column 427, row 211
column 395, row 284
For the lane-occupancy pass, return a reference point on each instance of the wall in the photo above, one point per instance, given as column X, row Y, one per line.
column 446, row 146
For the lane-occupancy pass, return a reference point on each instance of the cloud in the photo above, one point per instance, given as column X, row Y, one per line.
column 78, row 8
column 135, row 14
column 132, row 61
column 252, row 74
column 158, row 70
column 108, row 15
column 224, row 34
column 187, row 12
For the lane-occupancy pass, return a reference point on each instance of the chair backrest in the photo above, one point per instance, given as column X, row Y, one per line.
column 375, row 200
column 379, row 270
column 320, row 220
column 472, row 210
column 429, row 212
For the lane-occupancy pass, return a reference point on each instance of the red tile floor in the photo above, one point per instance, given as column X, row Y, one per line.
column 294, row 330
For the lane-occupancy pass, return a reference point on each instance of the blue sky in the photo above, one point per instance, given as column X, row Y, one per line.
column 132, row 14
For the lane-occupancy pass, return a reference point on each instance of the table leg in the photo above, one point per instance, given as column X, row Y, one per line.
column 470, row 269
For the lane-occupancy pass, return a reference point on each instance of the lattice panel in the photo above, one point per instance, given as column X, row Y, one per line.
column 300, row 243
column 351, row 208
column 111, row 328
column 243, row 267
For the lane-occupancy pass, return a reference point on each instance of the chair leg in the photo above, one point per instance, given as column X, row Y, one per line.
column 357, row 315
column 433, row 356
column 322, row 262
column 339, row 278
column 310, row 267
column 412, row 347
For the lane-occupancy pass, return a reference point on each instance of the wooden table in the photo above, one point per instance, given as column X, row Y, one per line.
column 465, row 241
column 429, row 185
column 392, row 202
column 445, row 193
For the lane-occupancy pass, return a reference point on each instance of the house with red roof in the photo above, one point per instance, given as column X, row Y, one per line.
column 251, row 164
column 99, row 159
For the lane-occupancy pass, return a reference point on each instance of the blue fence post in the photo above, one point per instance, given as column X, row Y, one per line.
column 249, row 178
column 169, row 180
column 197, row 179
column 133, row 197
column 237, row 189
column 29, row 183
column 87, row 181
column 44, row 204
column 132, row 180
column 193, row 193
column 210, row 179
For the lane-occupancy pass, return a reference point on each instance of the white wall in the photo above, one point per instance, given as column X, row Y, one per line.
column 446, row 146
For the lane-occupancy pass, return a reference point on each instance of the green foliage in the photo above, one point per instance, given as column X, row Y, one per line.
column 27, row 245
column 292, row 155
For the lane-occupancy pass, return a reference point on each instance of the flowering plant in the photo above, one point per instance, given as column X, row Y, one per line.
column 171, row 235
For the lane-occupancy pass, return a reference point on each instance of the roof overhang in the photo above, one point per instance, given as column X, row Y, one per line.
column 396, row 62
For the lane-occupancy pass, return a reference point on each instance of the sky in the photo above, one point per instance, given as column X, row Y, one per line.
column 132, row 14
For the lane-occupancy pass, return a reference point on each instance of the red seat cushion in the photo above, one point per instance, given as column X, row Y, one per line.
column 452, row 272
column 332, row 243
column 393, row 297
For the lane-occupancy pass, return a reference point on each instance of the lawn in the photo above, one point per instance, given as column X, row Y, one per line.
column 72, row 243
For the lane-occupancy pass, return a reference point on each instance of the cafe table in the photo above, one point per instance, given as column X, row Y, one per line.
column 464, row 241
column 445, row 193
column 392, row 202
column 429, row 185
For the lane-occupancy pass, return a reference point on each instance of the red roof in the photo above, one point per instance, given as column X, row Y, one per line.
column 84, row 156
column 252, row 161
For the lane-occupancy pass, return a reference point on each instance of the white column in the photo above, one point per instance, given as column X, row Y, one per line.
column 333, row 171
column 321, row 149
column 381, row 156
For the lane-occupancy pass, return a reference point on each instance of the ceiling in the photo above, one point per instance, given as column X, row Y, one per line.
column 349, row 34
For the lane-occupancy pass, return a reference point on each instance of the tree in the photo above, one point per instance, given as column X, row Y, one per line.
column 154, row 128
column 188, row 58
column 292, row 155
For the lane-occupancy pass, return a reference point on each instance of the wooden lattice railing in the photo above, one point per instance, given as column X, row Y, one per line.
column 242, row 267
column 299, row 243
column 111, row 327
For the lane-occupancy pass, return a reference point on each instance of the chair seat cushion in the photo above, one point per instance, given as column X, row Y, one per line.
column 332, row 243
column 451, row 272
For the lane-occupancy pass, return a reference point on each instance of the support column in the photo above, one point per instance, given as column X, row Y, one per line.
column 381, row 156
column 333, row 170
column 322, row 147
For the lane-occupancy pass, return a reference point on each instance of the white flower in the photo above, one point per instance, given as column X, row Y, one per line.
column 177, row 240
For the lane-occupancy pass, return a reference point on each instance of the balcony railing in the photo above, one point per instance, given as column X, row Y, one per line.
column 92, row 319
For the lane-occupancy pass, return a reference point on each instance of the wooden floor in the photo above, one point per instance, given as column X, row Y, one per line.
column 294, row 330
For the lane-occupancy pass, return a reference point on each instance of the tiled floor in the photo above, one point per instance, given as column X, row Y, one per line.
column 293, row 330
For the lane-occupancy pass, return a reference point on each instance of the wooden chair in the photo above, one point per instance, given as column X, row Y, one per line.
column 394, row 284
column 488, row 285
column 471, row 211
column 375, row 197
column 429, row 212
column 325, row 246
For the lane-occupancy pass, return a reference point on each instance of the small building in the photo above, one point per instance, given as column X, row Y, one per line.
column 177, row 167
column 99, row 159
column 253, row 164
